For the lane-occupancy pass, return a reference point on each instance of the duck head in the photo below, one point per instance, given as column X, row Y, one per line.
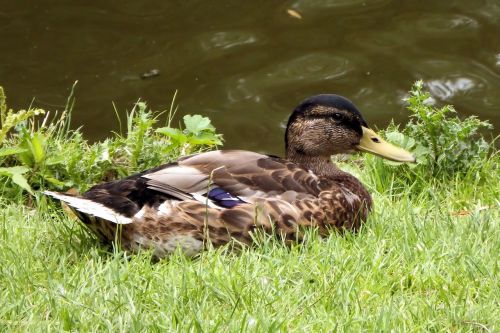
column 325, row 125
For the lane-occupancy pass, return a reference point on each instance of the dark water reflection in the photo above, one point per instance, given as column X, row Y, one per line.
column 247, row 64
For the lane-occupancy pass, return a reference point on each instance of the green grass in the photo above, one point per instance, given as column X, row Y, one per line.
column 426, row 260
column 414, row 266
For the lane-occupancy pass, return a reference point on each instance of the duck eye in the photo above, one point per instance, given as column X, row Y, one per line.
column 337, row 116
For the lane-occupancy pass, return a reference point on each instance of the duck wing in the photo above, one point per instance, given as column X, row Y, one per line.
column 240, row 174
column 217, row 179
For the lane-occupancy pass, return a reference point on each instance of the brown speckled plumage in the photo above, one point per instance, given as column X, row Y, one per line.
column 172, row 205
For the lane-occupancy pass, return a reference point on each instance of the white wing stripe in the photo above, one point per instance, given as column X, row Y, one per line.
column 90, row 207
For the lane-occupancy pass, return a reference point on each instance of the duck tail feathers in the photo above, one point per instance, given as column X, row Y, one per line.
column 87, row 206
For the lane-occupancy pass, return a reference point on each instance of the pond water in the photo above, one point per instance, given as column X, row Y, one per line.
column 246, row 64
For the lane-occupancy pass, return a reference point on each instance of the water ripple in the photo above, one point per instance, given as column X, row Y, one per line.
column 462, row 82
column 447, row 88
column 211, row 41
column 325, row 7
column 284, row 75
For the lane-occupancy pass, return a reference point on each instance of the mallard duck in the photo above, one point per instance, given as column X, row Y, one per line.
column 217, row 196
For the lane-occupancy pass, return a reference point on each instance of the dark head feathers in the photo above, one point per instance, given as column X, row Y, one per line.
column 329, row 100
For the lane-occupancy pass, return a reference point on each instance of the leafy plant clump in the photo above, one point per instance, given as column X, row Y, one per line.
column 49, row 155
column 198, row 131
column 444, row 142
column 9, row 120
column 446, row 147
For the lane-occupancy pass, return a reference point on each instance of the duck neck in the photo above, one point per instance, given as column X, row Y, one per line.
column 320, row 165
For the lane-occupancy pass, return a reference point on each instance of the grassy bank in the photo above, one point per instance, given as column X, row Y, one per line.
column 427, row 259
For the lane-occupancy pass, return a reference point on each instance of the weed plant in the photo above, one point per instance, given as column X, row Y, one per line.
column 49, row 155
column 426, row 260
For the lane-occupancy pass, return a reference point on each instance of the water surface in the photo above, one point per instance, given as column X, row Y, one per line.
column 246, row 64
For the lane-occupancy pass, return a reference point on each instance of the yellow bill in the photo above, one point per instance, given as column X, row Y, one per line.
column 373, row 143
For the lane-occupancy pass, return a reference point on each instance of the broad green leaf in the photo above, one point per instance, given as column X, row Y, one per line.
column 12, row 151
column 421, row 151
column 394, row 136
column 16, row 174
column 22, row 182
column 196, row 124
column 205, row 139
column 15, row 169
column 400, row 139
column 173, row 133
column 169, row 131
column 37, row 147
column 26, row 157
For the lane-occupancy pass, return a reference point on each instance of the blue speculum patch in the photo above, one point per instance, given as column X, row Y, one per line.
column 223, row 198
